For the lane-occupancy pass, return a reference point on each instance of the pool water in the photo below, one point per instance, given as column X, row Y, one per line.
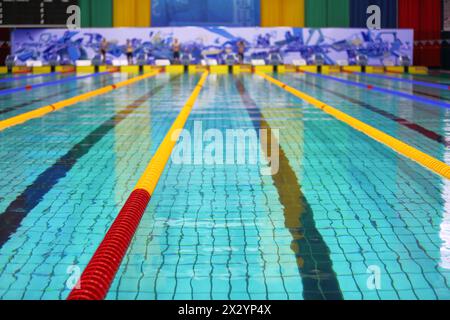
column 344, row 217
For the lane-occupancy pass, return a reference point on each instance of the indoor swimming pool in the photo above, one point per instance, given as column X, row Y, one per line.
column 340, row 209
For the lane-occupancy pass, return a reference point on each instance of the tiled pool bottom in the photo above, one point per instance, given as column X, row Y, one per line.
column 341, row 210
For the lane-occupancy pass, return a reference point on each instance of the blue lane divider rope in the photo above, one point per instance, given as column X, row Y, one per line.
column 49, row 83
column 419, row 83
column 30, row 76
column 383, row 90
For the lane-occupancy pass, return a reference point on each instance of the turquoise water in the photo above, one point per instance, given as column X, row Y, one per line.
column 340, row 206
column 42, row 96
column 9, row 81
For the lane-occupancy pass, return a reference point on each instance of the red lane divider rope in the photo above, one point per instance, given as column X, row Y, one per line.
column 101, row 270
column 98, row 275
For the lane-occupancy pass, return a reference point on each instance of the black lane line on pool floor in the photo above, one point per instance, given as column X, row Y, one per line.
column 311, row 252
column 12, row 217
column 404, row 122
column 427, row 94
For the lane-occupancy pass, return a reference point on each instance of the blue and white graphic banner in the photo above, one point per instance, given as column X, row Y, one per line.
column 332, row 44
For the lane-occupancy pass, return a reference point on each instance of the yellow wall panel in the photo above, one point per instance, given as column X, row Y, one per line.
column 265, row 69
column 131, row 13
column 85, row 69
column 108, row 69
column 197, row 68
column 143, row 12
column 21, row 69
column 286, row 68
column 270, row 13
column 123, row 13
column 221, row 69
column 242, row 69
column 43, row 69
column 129, row 69
column 175, row 68
column 148, row 69
column 374, row 69
column 418, row 70
column 352, row 68
column 293, row 13
column 330, row 69
column 308, row 69
column 282, row 13
column 395, row 69
column 65, row 69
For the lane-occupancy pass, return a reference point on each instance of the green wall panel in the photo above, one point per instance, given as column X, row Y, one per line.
column 85, row 6
column 315, row 13
column 327, row 13
column 338, row 13
column 102, row 13
column 96, row 13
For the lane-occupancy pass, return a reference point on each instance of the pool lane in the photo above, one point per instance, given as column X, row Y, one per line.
column 375, row 209
column 445, row 76
column 91, row 155
column 49, row 83
column 429, row 78
column 423, row 127
column 410, row 88
column 12, row 217
column 211, row 231
column 311, row 251
column 432, row 102
column 27, row 77
column 12, row 82
column 391, row 78
column 402, row 121
column 27, row 101
column 21, row 105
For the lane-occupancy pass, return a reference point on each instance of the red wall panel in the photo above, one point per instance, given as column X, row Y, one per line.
column 424, row 16
column 5, row 49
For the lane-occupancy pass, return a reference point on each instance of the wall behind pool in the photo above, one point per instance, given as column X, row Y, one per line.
column 424, row 17
column 205, row 12
column 334, row 44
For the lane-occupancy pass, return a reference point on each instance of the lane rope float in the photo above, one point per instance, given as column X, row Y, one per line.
column 96, row 279
column 398, row 146
column 42, row 111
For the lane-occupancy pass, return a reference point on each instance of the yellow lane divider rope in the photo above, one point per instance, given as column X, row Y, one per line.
column 400, row 147
column 96, row 279
column 40, row 112
column 155, row 168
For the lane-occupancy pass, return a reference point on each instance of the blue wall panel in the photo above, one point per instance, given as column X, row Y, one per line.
column 205, row 13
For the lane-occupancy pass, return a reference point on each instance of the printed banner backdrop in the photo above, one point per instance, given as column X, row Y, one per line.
column 65, row 46
column 238, row 13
